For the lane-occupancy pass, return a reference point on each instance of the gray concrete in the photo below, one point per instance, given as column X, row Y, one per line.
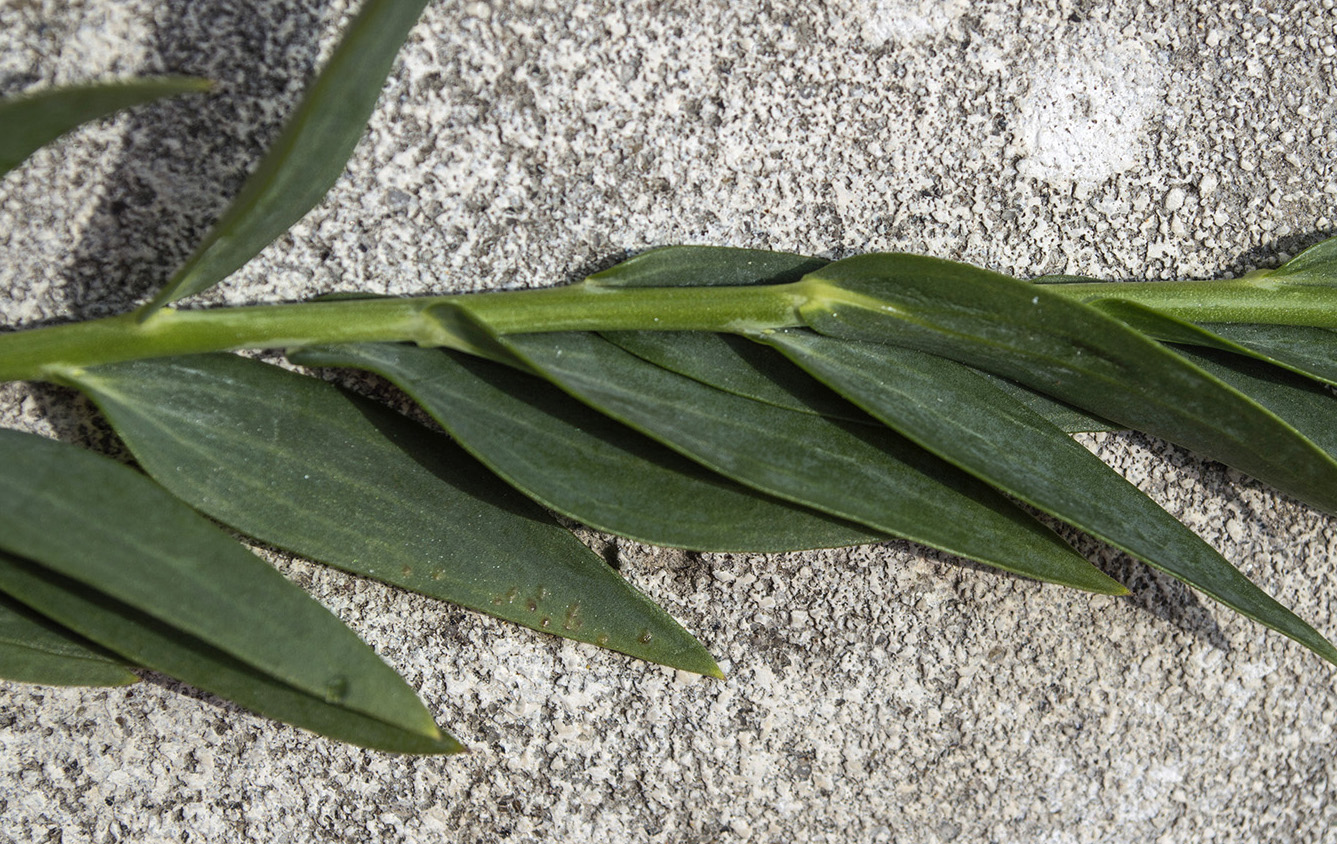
column 877, row 694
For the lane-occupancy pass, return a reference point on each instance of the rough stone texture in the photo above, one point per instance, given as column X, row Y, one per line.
column 875, row 694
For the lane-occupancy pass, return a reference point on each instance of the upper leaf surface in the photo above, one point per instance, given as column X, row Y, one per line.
column 960, row 416
column 170, row 650
column 88, row 519
column 1071, row 351
column 309, row 154
column 705, row 266
column 34, row 649
column 297, row 463
column 1302, row 349
column 30, row 122
column 585, row 465
column 739, row 366
column 856, row 472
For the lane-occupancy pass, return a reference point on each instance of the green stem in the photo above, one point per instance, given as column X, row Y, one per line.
column 47, row 353
column 1262, row 297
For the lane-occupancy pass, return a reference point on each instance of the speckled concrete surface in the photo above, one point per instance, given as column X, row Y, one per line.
column 877, row 694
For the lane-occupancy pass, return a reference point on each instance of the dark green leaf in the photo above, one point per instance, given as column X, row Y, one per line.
column 310, row 153
column 705, row 266
column 1308, row 351
column 74, row 517
column 34, row 649
column 1308, row 407
column 583, row 464
column 349, row 482
column 166, row 648
column 1065, row 417
column 1030, row 334
column 739, row 366
column 958, row 415
column 30, row 122
column 856, row 472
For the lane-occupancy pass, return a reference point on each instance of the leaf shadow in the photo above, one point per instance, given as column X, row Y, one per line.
column 183, row 159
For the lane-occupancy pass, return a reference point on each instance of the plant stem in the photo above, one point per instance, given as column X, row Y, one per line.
column 1262, row 297
column 46, row 353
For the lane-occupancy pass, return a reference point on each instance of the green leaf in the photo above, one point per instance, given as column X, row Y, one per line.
column 1307, row 351
column 1065, row 417
column 1307, row 407
column 855, row 472
column 739, row 366
column 351, row 483
column 1030, row 334
column 958, row 415
column 35, row 120
column 104, row 550
column 310, row 153
column 167, row 649
column 1299, row 348
column 583, row 464
column 705, row 266
column 34, row 649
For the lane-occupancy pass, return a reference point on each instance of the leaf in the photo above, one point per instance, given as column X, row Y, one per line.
column 166, row 648
column 855, row 472
column 705, row 266
column 1032, row 335
column 959, row 416
column 308, row 156
column 31, row 122
column 1308, row 351
column 583, row 464
column 1307, row 407
column 114, row 557
column 351, row 483
column 34, row 649
column 736, row 365
column 1065, row 417
column 714, row 359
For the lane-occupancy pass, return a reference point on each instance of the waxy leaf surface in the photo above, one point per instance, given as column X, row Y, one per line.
column 30, row 122
column 1307, row 351
column 705, row 266
column 739, row 366
column 34, row 649
column 583, row 464
column 308, row 155
column 958, row 415
column 348, row 482
column 1073, row 352
column 856, row 472
column 97, row 547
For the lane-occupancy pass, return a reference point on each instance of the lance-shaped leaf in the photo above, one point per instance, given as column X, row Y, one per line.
column 30, row 122
column 857, row 472
column 34, row 649
column 1302, row 349
column 167, row 649
column 705, row 266
column 1071, row 351
column 351, row 483
column 583, row 464
column 308, row 155
column 739, row 366
column 1306, row 406
column 104, row 551
column 958, row 415
column 1065, row 417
